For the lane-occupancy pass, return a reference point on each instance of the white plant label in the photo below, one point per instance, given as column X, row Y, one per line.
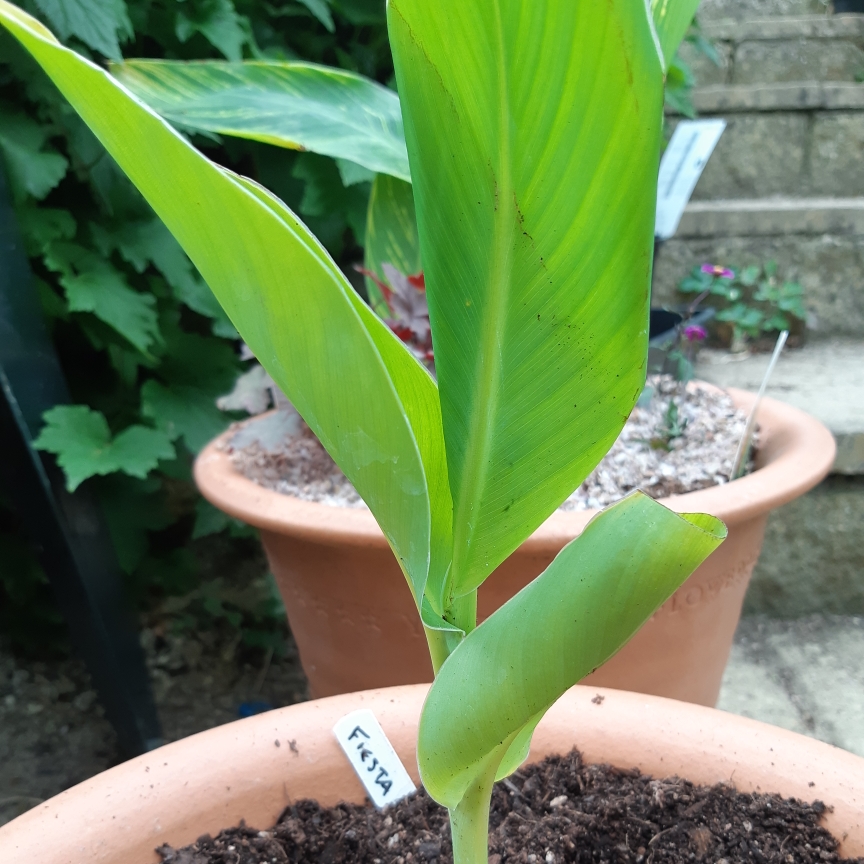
column 687, row 153
column 373, row 758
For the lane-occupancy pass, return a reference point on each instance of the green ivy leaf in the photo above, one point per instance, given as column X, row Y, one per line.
column 218, row 22
column 44, row 225
column 82, row 442
column 197, row 361
column 186, row 412
column 99, row 24
column 150, row 242
column 33, row 169
column 324, row 191
column 102, row 291
column 325, row 195
column 93, row 285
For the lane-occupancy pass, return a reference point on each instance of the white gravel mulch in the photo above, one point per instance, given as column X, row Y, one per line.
column 654, row 452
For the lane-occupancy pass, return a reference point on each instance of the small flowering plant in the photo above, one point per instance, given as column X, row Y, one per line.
column 695, row 333
column 754, row 300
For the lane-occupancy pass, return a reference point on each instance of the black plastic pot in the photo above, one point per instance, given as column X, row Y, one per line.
column 848, row 6
column 663, row 323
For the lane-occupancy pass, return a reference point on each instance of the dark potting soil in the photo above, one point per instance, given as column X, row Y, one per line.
column 558, row 811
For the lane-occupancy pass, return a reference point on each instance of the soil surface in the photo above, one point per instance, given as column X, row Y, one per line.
column 680, row 440
column 558, row 811
column 53, row 732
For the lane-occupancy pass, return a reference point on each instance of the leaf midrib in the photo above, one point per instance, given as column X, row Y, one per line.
column 488, row 367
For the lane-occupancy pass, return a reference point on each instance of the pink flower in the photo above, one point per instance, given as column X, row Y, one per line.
column 718, row 271
column 695, row 333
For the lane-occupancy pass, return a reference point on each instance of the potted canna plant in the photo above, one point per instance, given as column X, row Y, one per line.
column 335, row 570
column 535, row 216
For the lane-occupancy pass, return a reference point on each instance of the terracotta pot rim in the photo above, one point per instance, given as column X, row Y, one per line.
column 211, row 780
column 796, row 453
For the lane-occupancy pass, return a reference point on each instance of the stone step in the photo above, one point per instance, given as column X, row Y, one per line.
column 766, row 217
column 817, row 242
column 812, row 149
column 777, row 28
column 773, row 50
column 723, row 10
column 823, row 378
column 783, row 96
column 801, row 675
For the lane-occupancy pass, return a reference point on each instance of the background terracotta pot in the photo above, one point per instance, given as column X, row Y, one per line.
column 213, row 780
column 354, row 620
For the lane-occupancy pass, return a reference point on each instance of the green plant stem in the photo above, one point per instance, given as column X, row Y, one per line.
column 469, row 820
column 439, row 649
column 463, row 611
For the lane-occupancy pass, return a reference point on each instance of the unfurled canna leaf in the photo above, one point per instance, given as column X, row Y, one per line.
column 302, row 106
column 536, row 220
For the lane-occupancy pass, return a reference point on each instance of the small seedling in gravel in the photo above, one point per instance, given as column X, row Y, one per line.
column 533, row 132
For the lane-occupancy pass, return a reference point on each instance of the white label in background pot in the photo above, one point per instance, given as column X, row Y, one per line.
column 373, row 758
column 687, row 153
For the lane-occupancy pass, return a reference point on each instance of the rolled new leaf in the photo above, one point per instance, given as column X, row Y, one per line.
column 301, row 106
column 370, row 403
column 600, row 589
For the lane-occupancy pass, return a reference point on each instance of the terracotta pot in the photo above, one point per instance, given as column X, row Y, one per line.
column 214, row 779
column 355, row 622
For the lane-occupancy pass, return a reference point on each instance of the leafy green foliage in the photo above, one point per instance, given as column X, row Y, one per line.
column 99, row 24
column 136, row 327
column 84, row 446
column 93, row 285
column 679, row 84
column 754, row 300
column 679, row 77
column 34, row 169
column 218, row 22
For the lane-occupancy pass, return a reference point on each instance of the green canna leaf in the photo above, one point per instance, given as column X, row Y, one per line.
column 391, row 234
column 672, row 19
column 302, row 106
column 536, row 220
column 600, row 589
column 369, row 402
